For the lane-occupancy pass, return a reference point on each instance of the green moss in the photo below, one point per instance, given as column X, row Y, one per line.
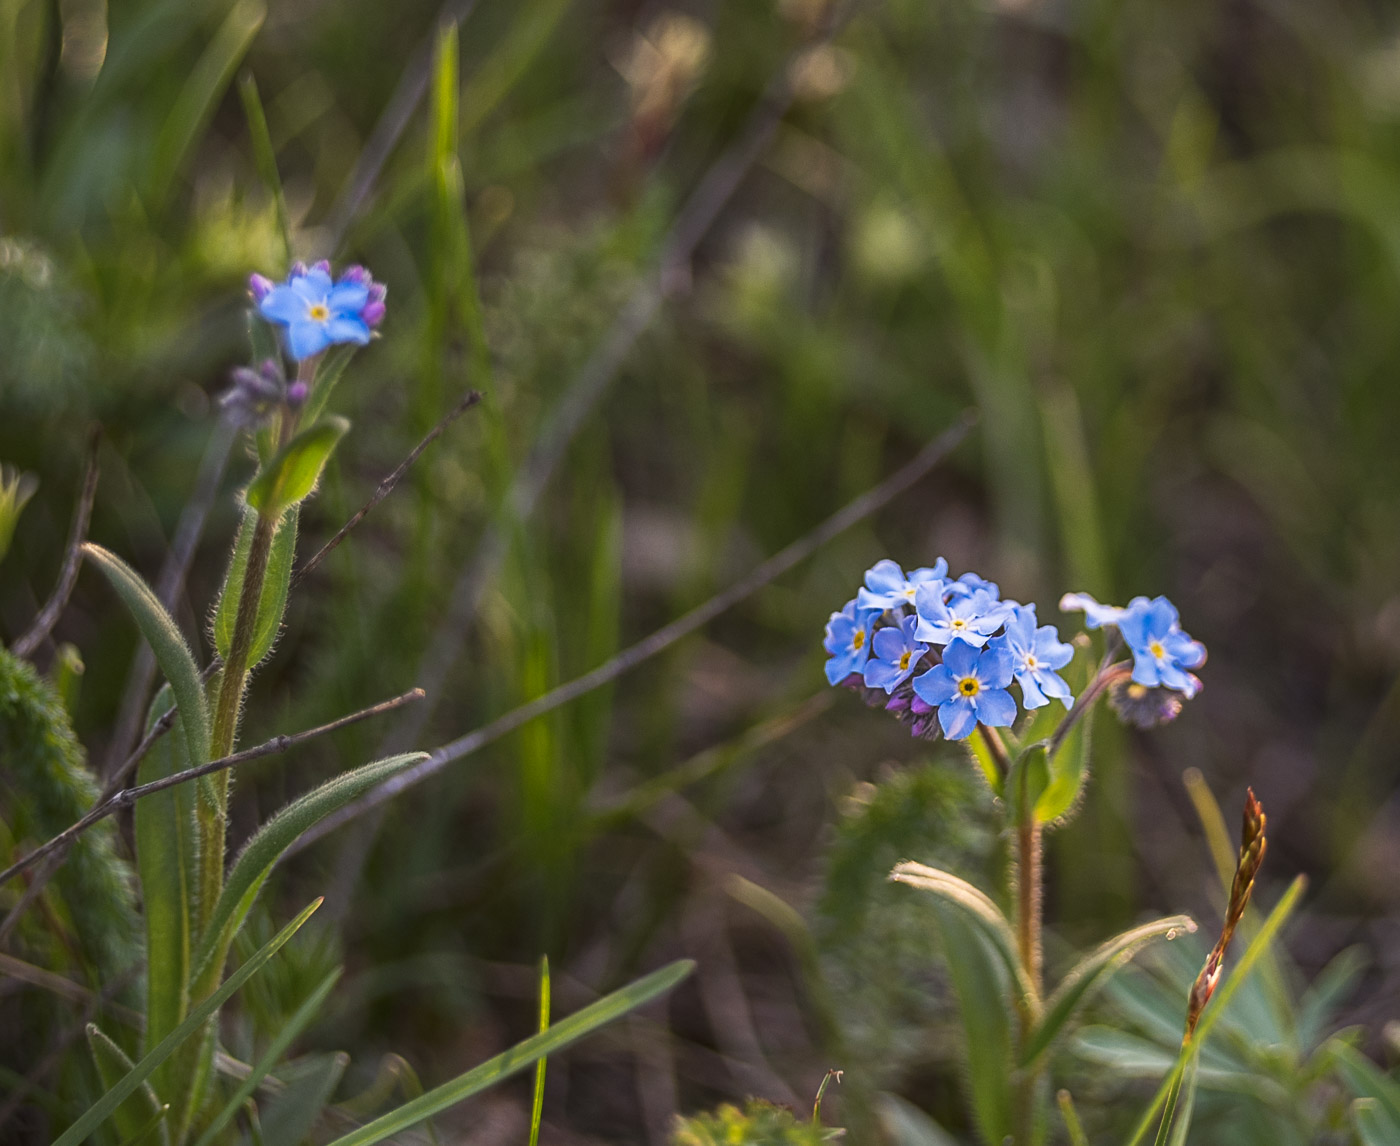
column 758, row 1124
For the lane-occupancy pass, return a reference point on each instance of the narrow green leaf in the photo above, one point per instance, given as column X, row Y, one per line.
column 172, row 654
column 980, row 909
column 256, row 861
column 1178, row 1113
column 1374, row 1125
column 284, row 1038
column 276, row 584
column 537, row 1107
column 985, row 1022
column 100, row 1110
column 1365, row 1079
column 292, row 475
column 289, row 1118
column 987, row 763
column 1091, row 972
column 195, row 104
column 584, row 1022
column 1331, row 986
column 332, row 367
column 1068, row 768
column 265, row 156
column 1252, row 954
column 166, row 860
column 133, row 1116
column 155, row 1125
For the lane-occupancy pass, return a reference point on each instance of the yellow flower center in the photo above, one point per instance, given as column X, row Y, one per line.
column 904, row 661
column 958, row 623
column 1031, row 662
column 858, row 641
column 318, row 312
column 969, row 686
column 1156, row 649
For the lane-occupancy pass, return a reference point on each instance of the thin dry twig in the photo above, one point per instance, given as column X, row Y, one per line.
column 386, row 487
column 857, row 510
column 128, row 796
column 53, row 608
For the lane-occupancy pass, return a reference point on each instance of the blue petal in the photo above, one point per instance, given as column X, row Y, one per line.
column 937, row 572
column 865, row 599
column 1182, row 649
column 839, row 631
column 348, row 297
column 1031, row 696
column 1145, row 670
column 995, row 707
column 315, row 283
column 960, row 657
column 306, row 338
column 282, row 304
column 1095, row 615
column 1053, row 684
column 888, row 644
column 928, row 601
column 884, row 577
column 936, row 686
column 1176, row 678
column 994, row 668
column 1162, row 617
column 1020, row 629
column 1050, row 650
column 882, row 674
column 1134, row 625
column 837, row 670
column 957, row 718
column 343, row 328
column 936, row 633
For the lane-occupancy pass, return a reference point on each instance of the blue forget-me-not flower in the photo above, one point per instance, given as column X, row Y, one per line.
column 848, row 641
column 1035, row 655
column 969, row 688
column 895, row 655
column 1161, row 651
column 316, row 311
column 974, row 617
column 886, row 586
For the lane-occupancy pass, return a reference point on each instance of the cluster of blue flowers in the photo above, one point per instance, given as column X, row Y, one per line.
column 318, row 311
column 942, row 652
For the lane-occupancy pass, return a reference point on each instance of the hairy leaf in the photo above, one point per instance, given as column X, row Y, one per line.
column 293, row 473
column 276, row 584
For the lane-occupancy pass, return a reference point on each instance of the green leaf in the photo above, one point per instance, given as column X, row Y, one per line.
column 982, row 756
column 172, row 654
column 256, row 861
column 133, row 1117
column 195, row 103
column 276, row 584
column 154, row 1125
column 166, row 862
column 1374, row 1125
column 327, row 375
column 1178, row 1112
column 981, row 910
column 1091, row 972
column 284, row 1038
column 1068, row 768
column 1252, row 954
column 524, row 1054
column 1332, row 985
column 265, row 156
column 1365, row 1079
column 985, row 1021
column 292, row 475
column 102, row 1109
column 537, row 1107
column 289, row 1118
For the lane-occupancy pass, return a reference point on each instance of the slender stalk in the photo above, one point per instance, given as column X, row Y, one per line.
column 211, row 820
column 1029, row 879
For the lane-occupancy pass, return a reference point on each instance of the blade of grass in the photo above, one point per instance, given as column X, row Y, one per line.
column 265, row 156
column 100, row 1110
column 537, row 1107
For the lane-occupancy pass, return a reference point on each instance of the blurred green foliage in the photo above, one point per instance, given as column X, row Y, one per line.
column 1154, row 244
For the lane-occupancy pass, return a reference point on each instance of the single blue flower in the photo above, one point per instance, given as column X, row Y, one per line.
column 895, row 655
column 848, row 641
column 1035, row 655
column 1161, row 651
column 316, row 311
column 974, row 618
column 969, row 688
column 886, row 587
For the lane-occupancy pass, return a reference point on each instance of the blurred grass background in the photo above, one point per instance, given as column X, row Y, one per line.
column 1158, row 247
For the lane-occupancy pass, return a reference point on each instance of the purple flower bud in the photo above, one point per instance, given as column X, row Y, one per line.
column 322, row 265
column 259, row 287
column 377, row 292
column 373, row 313
column 356, row 275
column 297, row 270
column 297, row 393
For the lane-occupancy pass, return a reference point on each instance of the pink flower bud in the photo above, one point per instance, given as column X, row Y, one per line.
column 356, row 275
column 297, row 270
column 373, row 313
column 322, row 265
column 297, row 393
column 259, row 287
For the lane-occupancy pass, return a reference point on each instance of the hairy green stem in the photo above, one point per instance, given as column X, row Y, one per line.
column 1029, row 907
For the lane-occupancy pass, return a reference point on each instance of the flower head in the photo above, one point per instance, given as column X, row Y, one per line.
column 848, row 641
column 1035, row 655
column 895, row 654
column 973, row 617
column 1143, row 707
column 254, row 394
column 969, row 688
column 318, row 312
column 1161, row 651
column 886, row 586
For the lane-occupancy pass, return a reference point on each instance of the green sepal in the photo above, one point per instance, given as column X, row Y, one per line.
column 276, row 584
column 133, row 1117
column 256, row 861
column 291, row 476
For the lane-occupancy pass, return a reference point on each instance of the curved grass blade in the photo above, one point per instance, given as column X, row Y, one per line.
column 1090, row 973
column 979, row 907
column 1252, row 954
column 256, row 861
column 537, row 1107
column 605, row 1010
column 171, row 652
column 100, row 1110
column 284, row 1038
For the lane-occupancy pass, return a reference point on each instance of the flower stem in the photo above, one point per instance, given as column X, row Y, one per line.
column 1029, row 876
